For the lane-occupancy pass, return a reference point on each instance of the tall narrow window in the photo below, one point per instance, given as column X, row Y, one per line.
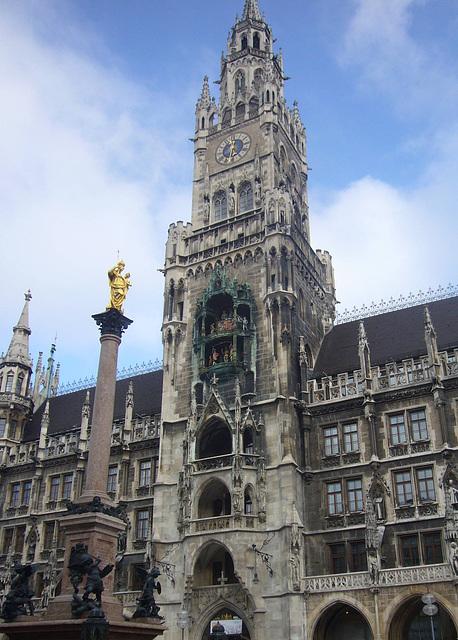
column 331, row 441
column 48, row 534
column 220, row 206
column 145, row 473
column 2, row 427
column 20, row 537
column 358, row 556
column 55, row 486
column 7, row 540
column 112, row 478
column 334, row 498
column 350, row 437
column 256, row 41
column 397, row 429
column 418, row 425
column 410, row 555
column 142, row 523
column 26, row 493
column 355, row 495
column 67, row 486
column 337, row 557
column 432, row 548
column 403, row 487
column 244, row 42
column 9, row 382
column 246, row 198
column 15, row 488
column 425, row 484
column 19, row 382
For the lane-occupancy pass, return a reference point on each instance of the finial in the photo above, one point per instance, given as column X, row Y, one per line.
column 28, row 296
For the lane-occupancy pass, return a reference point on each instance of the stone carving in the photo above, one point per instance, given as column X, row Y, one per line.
column 97, row 506
column 81, row 563
column 19, row 598
column 147, row 607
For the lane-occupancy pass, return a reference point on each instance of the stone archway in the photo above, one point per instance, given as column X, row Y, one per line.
column 342, row 622
column 410, row 623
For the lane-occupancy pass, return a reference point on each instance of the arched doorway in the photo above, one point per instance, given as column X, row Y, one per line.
column 342, row 622
column 231, row 622
column 410, row 623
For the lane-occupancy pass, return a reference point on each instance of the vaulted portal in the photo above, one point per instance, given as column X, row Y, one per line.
column 342, row 622
column 230, row 621
column 215, row 500
column 215, row 440
column 214, row 567
column 412, row 623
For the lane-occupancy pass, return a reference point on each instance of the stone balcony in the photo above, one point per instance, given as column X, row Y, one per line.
column 423, row 574
column 220, row 523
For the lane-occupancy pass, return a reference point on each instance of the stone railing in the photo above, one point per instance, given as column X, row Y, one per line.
column 392, row 375
column 387, row 577
column 128, row 599
column 241, row 521
column 236, row 243
column 218, row 462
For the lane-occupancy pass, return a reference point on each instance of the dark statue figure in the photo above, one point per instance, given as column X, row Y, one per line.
column 19, row 598
column 82, row 563
column 147, row 607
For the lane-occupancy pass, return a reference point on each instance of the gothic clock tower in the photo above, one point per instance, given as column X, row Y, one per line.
column 247, row 302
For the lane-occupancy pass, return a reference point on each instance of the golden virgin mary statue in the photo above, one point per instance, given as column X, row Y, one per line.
column 119, row 285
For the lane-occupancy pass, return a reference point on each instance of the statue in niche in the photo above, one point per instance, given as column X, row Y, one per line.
column 454, row 557
column 119, row 286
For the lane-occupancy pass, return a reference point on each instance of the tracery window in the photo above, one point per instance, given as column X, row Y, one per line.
column 246, row 198
column 220, row 206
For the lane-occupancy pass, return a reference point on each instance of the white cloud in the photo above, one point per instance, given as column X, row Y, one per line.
column 380, row 42
column 86, row 166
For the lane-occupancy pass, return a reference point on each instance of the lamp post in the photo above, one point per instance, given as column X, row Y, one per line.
column 430, row 609
column 183, row 621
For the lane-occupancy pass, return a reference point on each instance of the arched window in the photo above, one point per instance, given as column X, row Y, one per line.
column 215, row 440
column 19, row 382
column 256, row 41
column 240, row 110
column 249, row 510
column 254, row 105
column 267, row 96
column 227, row 116
column 244, row 43
column 202, row 126
column 220, row 206
column 248, row 441
column 239, row 82
column 258, row 76
column 9, row 382
column 246, row 198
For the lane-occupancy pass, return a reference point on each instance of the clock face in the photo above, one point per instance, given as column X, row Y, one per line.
column 233, row 148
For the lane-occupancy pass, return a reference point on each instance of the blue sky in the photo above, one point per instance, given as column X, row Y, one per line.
column 97, row 109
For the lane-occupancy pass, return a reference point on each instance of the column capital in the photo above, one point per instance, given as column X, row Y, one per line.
column 112, row 322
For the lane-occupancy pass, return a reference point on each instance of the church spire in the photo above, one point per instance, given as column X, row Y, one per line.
column 18, row 351
column 251, row 11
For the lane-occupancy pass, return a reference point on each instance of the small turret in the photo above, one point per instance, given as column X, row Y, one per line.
column 251, row 11
column 15, row 374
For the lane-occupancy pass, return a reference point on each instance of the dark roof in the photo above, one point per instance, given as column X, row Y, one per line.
column 392, row 336
column 65, row 410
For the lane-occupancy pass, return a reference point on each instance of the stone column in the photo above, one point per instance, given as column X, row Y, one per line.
column 112, row 324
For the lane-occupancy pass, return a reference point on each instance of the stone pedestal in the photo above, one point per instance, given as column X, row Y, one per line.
column 31, row 628
column 100, row 533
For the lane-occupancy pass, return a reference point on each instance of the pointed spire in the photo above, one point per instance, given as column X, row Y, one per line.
column 205, row 99
column 251, row 10
column 18, row 351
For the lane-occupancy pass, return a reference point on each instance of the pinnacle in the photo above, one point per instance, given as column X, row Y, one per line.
column 251, row 10
column 205, row 97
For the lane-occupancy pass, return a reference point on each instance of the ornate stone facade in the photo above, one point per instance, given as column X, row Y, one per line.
column 297, row 475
